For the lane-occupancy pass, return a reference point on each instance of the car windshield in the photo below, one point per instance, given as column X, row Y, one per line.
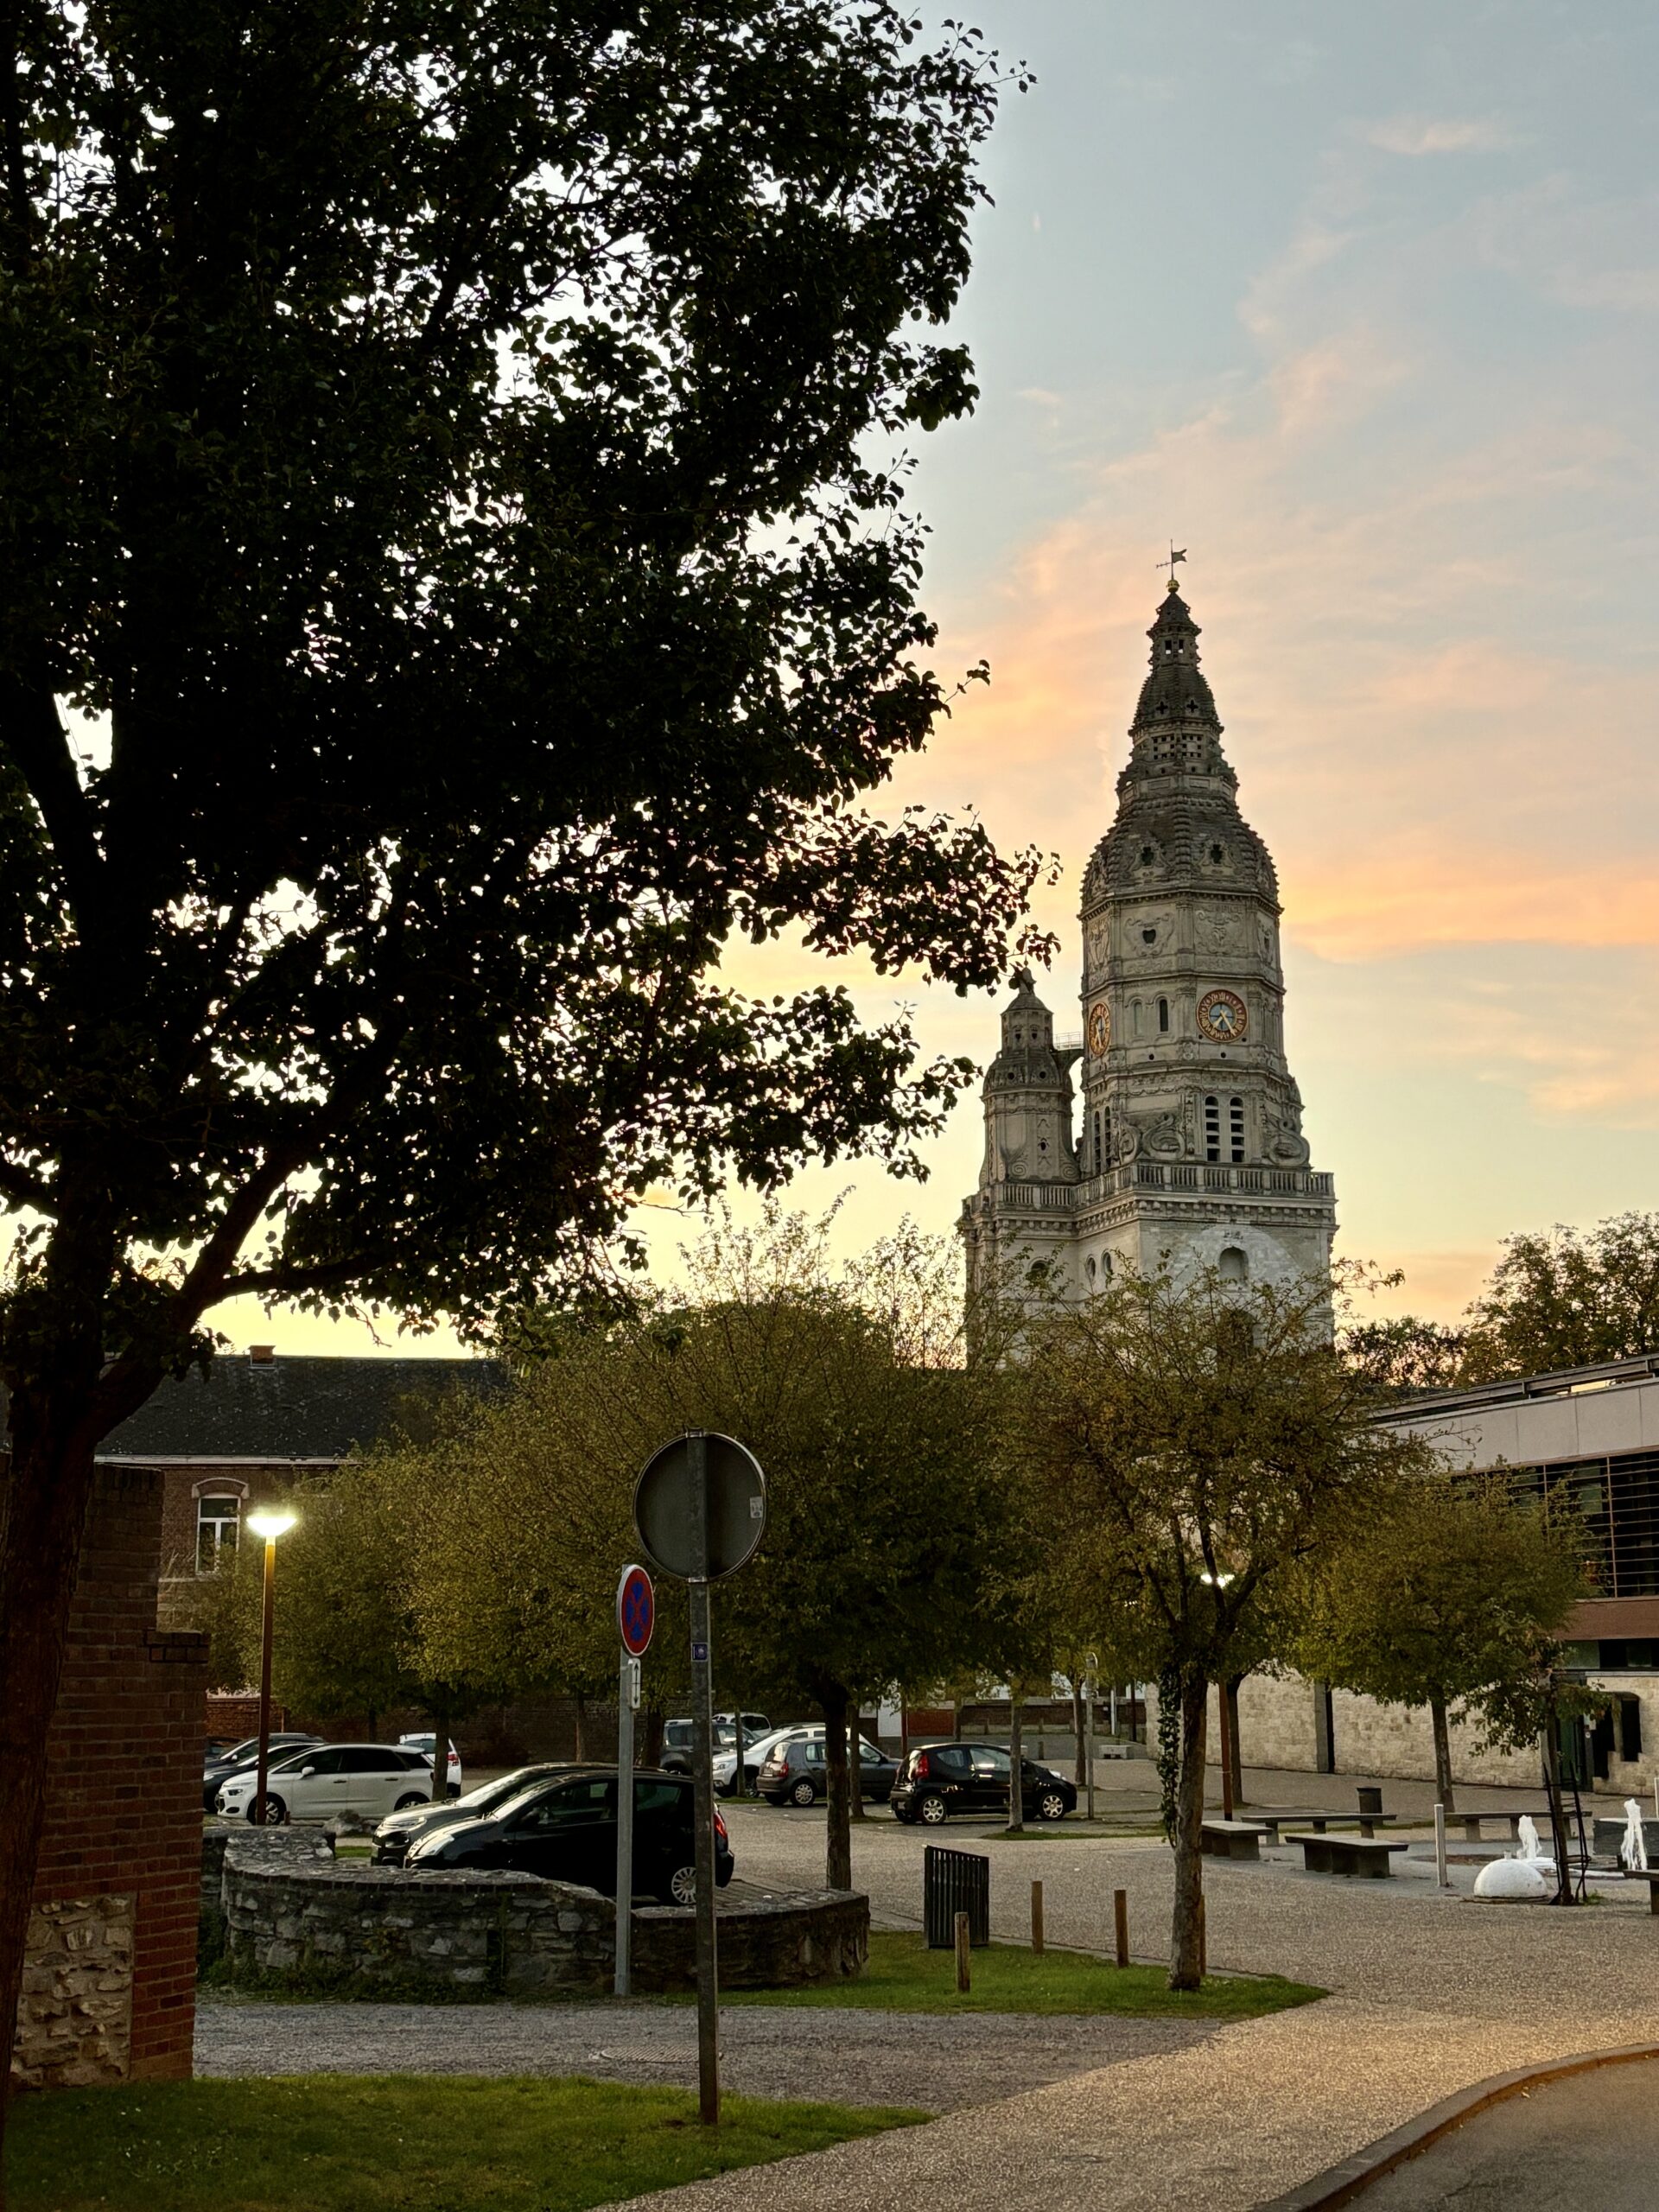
column 501, row 1791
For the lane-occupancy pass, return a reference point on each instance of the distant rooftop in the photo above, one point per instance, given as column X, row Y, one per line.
column 251, row 1407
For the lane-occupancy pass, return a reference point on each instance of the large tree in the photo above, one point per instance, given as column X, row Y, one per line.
column 1454, row 1600
column 1202, row 1446
column 454, row 577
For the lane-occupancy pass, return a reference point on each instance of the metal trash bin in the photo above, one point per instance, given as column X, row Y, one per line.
column 954, row 1882
column 1371, row 1801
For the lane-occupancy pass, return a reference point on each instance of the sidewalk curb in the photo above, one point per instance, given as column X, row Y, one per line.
column 1340, row 2185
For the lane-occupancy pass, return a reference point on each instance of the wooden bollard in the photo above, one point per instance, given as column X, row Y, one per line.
column 1121, row 1920
column 964, row 1974
column 1037, row 1917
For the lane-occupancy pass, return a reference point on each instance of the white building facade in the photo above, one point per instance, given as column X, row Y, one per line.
column 1189, row 1151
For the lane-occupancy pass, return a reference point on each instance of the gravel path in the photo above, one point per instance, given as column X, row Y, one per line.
column 935, row 2064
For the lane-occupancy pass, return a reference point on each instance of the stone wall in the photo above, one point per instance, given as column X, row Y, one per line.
column 288, row 1909
column 75, row 2021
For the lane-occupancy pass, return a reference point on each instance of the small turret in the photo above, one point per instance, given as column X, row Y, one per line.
column 1028, row 1097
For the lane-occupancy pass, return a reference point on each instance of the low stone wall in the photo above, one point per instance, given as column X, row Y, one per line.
column 74, row 2017
column 289, row 1911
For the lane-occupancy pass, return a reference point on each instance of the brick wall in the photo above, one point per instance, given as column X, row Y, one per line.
column 124, row 1812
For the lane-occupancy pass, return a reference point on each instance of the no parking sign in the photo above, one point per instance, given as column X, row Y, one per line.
column 636, row 1611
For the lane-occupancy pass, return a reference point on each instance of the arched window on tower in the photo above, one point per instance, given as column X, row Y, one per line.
column 1235, row 1266
column 1106, row 1137
column 1097, row 1150
column 1212, row 1128
column 1163, row 1017
column 1236, row 1127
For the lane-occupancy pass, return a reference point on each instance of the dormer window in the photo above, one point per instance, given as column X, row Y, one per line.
column 1147, row 857
column 1216, row 854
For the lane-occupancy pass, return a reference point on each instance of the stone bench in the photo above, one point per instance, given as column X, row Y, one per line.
column 1230, row 1840
column 1346, row 1854
column 1320, row 1821
column 1471, row 1823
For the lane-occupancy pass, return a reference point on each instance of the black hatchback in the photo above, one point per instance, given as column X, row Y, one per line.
column 946, row 1779
column 565, row 1831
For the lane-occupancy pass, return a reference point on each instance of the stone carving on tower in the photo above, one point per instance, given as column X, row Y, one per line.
column 1189, row 1152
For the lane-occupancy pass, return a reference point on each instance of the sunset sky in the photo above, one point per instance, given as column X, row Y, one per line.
column 1359, row 306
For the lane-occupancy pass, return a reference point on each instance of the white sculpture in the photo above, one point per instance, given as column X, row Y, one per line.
column 1527, row 1828
column 1517, row 1881
column 1633, row 1852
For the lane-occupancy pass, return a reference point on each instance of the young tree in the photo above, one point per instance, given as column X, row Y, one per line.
column 1453, row 1598
column 446, row 593
column 1201, row 1445
column 1405, row 1355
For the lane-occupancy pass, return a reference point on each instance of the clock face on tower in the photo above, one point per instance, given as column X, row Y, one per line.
column 1223, row 1016
column 1100, row 1028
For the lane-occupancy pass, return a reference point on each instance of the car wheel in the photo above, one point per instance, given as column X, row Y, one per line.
column 276, row 1811
column 930, row 1811
column 681, row 1886
column 408, row 1804
column 803, row 1793
column 1050, row 1806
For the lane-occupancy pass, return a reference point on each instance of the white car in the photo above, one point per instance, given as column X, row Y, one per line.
column 724, row 1763
column 372, row 1779
column 424, row 1742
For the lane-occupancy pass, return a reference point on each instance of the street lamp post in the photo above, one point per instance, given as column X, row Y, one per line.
column 270, row 1525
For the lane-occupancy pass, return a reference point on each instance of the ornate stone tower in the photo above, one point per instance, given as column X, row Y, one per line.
column 1191, row 1150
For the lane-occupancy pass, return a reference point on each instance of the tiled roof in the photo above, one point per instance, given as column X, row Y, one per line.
column 307, row 1408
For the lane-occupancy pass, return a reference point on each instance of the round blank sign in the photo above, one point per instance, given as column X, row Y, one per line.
column 665, row 1499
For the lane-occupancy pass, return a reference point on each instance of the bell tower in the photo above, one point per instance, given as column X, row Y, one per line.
column 1191, row 1151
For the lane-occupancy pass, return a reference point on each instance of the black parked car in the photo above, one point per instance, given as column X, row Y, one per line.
column 565, row 1831
column 399, row 1830
column 796, row 1772
column 947, row 1778
column 218, row 1766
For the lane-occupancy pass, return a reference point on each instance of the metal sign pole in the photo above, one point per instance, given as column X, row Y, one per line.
column 626, row 1691
column 702, row 1709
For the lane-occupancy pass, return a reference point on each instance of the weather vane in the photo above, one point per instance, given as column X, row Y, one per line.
column 1170, row 564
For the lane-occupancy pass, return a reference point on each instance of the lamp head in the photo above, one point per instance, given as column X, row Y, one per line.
column 272, row 1522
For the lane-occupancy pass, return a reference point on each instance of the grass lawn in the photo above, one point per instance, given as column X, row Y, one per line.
column 905, row 1976
column 392, row 2142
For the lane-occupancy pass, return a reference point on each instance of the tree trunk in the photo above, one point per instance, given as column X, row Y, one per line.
column 1557, row 1810
column 1234, row 1683
column 656, row 1720
column 47, row 1497
column 1186, row 1927
column 1016, row 1764
column 440, row 1751
column 581, row 1728
column 855, row 1769
column 1078, row 1720
column 1442, row 1752
column 838, row 1842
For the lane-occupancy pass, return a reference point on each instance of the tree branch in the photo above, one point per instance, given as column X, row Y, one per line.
column 32, row 733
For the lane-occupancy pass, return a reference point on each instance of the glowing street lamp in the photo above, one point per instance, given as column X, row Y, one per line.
column 274, row 1521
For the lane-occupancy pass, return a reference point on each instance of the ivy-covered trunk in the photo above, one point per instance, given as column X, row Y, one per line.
column 1079, row 1727
column 1186, row 1929
column 1016, row 1762
column 1442, row 1752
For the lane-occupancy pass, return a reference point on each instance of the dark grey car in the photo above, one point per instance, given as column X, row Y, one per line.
column 399, row 1830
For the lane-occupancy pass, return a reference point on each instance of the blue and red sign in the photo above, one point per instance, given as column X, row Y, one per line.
column 636, row 1611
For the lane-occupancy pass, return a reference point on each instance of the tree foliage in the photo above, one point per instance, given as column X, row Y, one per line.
column 1570, row 1298
column 1202, row 1449
column 1454, row 1600
column 896, row 1540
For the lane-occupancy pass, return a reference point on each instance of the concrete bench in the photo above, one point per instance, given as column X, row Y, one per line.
column 1346, row 1854
column 1471, row 1823
column 1321, row 1820
column 1652, row 1881
column 1230, row 1840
